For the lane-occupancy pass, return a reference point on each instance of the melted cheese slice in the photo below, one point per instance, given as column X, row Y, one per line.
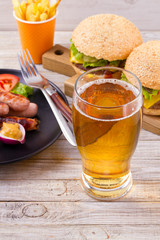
column 148, row 103
column 74, row 60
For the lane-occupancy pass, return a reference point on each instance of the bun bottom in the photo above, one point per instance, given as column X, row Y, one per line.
column 150, row 111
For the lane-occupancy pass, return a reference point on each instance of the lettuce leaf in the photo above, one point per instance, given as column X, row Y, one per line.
column 98, row 63
column 87, row 60
column 147, row 92
column 22, row 89
column 124, row 78
column 75, row 52
column 91, row 61
column 114, row 63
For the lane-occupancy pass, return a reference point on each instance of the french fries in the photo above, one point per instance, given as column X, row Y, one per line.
column 34, row 10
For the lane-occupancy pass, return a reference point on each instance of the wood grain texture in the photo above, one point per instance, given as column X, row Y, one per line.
column 8, row 52
column 60, row 161
column 57, row 59
column 80, row 213
column 151, row 128
column 143, row 13
column 69, row 85
column 41, row 197
column 70, row 191
column 79, row 232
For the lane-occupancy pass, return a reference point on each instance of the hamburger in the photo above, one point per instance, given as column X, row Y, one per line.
column 103, row 40
column 144, row 62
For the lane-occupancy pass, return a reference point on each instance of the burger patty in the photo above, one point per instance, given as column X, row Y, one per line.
column 156, row 105
column 107, row 73
column 80, row 66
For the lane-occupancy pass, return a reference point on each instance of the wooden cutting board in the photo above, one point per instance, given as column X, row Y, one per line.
column 57, row 59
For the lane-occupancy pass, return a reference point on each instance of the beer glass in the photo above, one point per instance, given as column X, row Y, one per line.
column 107, row 115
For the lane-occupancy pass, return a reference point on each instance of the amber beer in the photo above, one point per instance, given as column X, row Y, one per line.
column 106, row 131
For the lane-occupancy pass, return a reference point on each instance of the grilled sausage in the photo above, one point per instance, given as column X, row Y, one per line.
column 14, row 101
column 4, row 109
column 28, row 123
column 31, row 111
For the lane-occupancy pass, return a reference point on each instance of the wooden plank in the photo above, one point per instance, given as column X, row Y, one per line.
column 70, row 191
column 143, row 13
column 71, row 214
column 58, row 59
column 38, row 213
column 153, row 120
column 144, row 135
column 69, row 169
column 62, row 161
column 9, row 52
column 69, row 85
column 79, row 232
column 61, row 37
column 147, row 136
column 151, row 128
column 66, row 151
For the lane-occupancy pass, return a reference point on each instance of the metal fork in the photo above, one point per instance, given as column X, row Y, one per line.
column 34, row 79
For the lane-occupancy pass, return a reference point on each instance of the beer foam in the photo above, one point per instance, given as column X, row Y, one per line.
column 124, row 84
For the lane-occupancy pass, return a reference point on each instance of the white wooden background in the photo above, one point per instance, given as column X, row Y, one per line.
column 144, row 13
column 41, row 197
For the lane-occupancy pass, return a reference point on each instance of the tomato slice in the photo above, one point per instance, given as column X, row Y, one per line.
column 8, row 81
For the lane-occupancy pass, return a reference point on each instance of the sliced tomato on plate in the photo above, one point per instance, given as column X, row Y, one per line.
column 8, row 81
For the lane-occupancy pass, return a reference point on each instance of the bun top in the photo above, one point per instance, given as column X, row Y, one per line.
column 106, row 36
column 144, row 62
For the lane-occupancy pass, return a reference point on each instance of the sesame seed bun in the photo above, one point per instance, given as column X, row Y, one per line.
column 144, row 62
column 106, row 36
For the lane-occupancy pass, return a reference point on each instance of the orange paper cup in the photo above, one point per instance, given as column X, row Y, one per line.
column 37, row 37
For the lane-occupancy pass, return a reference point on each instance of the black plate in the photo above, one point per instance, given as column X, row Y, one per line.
column 37, row 140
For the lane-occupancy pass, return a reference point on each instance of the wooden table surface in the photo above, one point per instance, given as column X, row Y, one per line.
column 41, row 197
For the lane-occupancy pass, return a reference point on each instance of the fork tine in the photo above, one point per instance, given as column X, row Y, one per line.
column 24, row 74
column 28, row 64
column 24, row 65
column 33, row 65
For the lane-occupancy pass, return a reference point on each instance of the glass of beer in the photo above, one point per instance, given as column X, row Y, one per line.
column 107, row 120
